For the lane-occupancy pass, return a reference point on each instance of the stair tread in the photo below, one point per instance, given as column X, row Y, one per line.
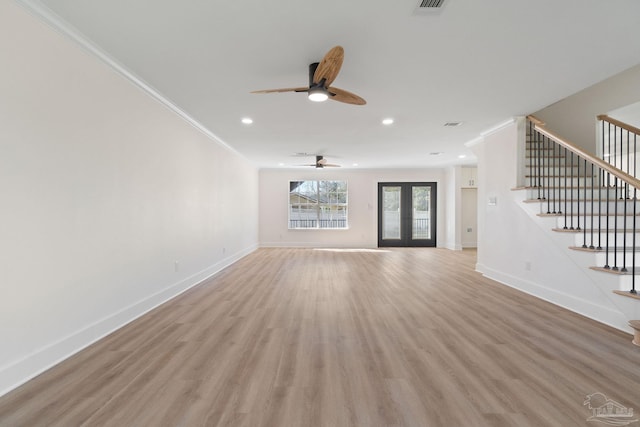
column 588, row 214
column 560, row 176
column 612, row 271
column 629, row 295
column 588, row 230
column 596, row 250
column 575, row 200
column 575, row 187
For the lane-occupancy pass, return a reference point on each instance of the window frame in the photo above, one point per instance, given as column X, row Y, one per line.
column 318, row 208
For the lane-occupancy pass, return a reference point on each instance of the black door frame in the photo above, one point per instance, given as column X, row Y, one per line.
column 406, row 210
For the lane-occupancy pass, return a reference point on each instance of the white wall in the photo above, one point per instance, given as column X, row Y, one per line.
column 453, row 202
column 363, row 205
column 519, row 249
column 574, row 118
column 102, row 190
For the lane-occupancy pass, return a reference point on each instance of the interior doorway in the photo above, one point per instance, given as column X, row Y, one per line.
column 469, row 208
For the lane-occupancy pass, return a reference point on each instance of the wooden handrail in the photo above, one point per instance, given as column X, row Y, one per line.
column 535, row 120
column 634, row 182
column 620, row 124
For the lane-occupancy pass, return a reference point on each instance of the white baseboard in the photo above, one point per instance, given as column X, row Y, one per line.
column 21, row 371
column 599, row 313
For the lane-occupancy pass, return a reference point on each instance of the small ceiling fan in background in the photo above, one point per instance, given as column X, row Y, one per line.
column 321, row 75
column 321, row 162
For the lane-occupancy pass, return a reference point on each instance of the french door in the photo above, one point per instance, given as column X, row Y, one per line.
column 407, row 214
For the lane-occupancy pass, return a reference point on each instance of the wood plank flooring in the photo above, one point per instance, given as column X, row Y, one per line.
column 303, row 337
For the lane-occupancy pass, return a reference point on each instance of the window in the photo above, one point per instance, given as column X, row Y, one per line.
column 317, row 204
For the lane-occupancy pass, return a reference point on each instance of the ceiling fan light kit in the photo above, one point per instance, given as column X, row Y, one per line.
column 321, row 75
column 318, row 94
column 321, row 163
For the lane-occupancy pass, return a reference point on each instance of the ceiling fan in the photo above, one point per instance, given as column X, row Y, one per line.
column 321, row 75
column 321, row 162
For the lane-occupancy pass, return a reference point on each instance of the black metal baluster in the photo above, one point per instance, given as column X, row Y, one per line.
column 545, row 194
column 552, row 187
column 633, row 249
column 628, row 170
column 584, row 223
column 530, row 151
column 600, row 182
column 571, row 194
column 592, row 178
column 635, row 201
column 603, row 150
column 538, row 143
column 564, row 188
column 609, row 144
column 578, row 194
column 606, row 243
column 615, row 224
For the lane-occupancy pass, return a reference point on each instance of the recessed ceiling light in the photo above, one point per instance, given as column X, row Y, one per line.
column 247, row 120
column 435, row 153
column 281, row 164
column 387, row 121
column 462, row 156
column 355, row 164
column 452, row 124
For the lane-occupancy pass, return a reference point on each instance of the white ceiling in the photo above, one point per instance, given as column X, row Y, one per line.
column 479, row 62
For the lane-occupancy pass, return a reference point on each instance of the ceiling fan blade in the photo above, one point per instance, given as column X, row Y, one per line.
column 329, row 165
column 329, row 67
column 342, row 95
column 288, row 89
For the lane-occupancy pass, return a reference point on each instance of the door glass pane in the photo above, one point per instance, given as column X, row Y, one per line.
column 421, row 212
column 391, row 213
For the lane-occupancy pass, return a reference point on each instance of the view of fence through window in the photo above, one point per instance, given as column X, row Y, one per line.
column 317, row 204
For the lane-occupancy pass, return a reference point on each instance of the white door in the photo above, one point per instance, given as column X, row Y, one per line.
column 469, row 218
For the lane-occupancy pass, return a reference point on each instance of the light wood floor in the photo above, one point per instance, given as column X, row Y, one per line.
column 301, row 337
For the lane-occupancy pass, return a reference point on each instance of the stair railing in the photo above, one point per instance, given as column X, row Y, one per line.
column 590, row 193
column 619, row 144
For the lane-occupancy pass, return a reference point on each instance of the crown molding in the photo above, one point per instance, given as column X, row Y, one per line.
column 37, row 9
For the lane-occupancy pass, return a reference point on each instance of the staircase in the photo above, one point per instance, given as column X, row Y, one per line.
column 590, row 200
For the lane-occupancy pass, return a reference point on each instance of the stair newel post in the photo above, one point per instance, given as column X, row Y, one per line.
column 571, row 193
column 592, row 179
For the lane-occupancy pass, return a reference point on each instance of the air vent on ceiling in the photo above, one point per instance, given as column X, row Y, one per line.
column 452, row 124
column 429, row 7
column 431, row 3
